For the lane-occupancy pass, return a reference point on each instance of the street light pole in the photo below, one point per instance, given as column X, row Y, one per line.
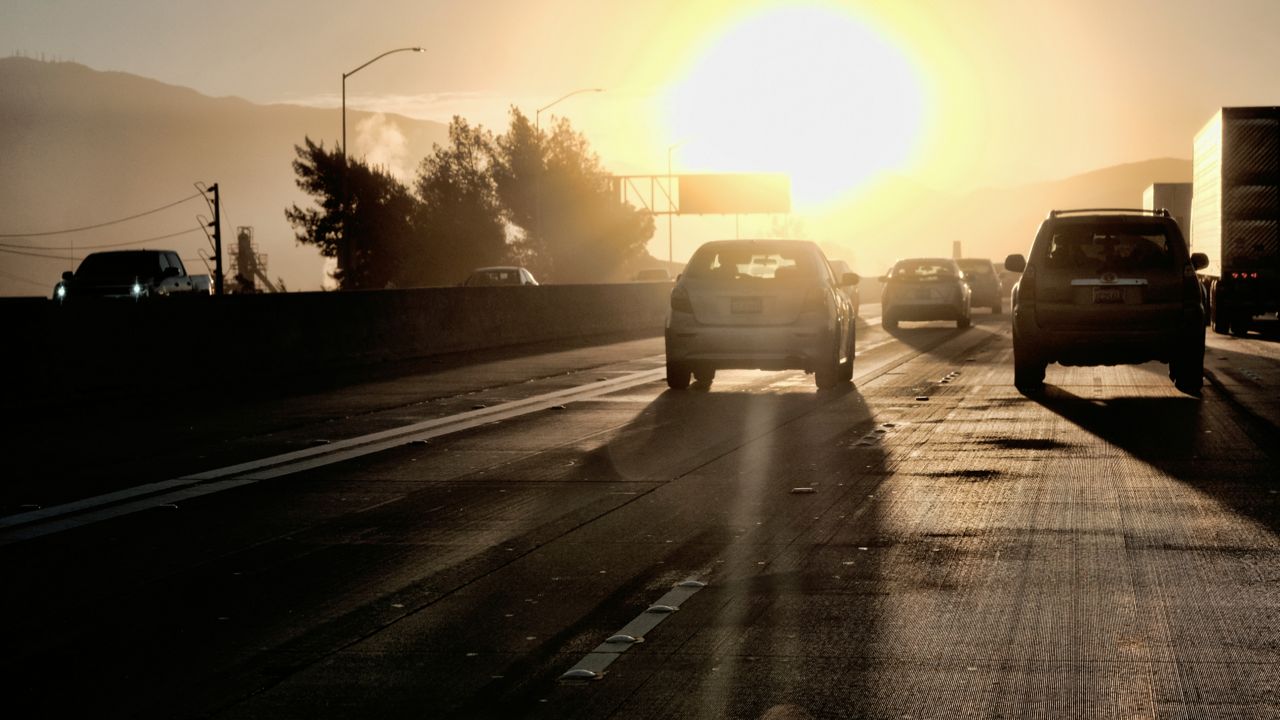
column 344, row 252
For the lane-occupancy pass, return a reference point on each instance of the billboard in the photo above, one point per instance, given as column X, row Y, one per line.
column 734, row 193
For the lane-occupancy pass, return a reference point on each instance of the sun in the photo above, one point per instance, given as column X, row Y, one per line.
column 811, row 91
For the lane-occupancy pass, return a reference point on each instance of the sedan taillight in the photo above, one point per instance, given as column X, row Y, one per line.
column 680, row 300
column 815, row 300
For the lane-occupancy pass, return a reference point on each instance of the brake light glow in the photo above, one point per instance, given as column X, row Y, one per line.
column 1244, row 275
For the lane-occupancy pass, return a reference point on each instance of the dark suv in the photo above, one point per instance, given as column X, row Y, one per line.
column 1108, row 287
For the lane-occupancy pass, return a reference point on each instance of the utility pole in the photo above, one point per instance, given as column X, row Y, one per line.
column 217, row 243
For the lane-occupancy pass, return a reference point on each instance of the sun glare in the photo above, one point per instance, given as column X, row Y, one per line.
column 810, row 91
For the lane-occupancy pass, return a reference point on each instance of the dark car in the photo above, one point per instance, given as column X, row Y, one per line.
column 984, row 281
column 135, row 274
column 925, row 289
column 1108, row 287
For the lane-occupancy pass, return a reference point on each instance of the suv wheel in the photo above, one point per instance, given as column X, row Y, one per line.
column 678, row 375
column 889, row 323
column 1028, row 369
column 964, row 322
column 998, row 308
column 1187, row 370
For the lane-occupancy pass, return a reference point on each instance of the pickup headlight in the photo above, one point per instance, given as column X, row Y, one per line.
column 60, row 292
column 136, row 290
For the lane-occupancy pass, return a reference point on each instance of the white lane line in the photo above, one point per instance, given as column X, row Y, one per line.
column 593, row 664
column 37, row 523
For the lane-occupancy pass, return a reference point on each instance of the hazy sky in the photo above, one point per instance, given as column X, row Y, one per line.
column 956, row 93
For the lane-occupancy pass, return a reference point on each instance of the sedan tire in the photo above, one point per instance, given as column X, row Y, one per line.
column 678, row 375
column 828, row 375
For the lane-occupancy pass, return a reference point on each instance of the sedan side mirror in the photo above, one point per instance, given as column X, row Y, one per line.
column 850, row 279
column 1015, row 263
column 68, row 276
column 1199, row 261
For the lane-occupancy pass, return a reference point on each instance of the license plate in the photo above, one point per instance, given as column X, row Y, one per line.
column 746, row 305
column 1108, row 295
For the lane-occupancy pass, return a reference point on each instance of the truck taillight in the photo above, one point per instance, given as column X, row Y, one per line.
column 680, row 300
column 1244, row 275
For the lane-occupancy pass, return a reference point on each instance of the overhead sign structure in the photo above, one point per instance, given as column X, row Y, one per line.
column 734, row 193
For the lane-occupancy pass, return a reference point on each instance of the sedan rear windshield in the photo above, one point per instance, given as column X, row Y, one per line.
column 1095, row 248
column 923, row 271
column 733, row 263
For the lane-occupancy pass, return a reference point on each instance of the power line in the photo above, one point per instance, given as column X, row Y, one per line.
column 102, row 224
column 27, row 281
column 3, row 246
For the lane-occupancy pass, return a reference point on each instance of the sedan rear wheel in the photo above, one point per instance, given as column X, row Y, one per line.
column 827, row 374
column 678, row 375
column 846, row 367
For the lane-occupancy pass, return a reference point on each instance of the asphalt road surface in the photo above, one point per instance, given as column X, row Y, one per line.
column 559, row 536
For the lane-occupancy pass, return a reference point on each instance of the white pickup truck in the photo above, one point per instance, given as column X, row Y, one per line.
column 136, row 274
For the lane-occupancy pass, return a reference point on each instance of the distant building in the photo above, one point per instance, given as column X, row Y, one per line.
column 1174, row 197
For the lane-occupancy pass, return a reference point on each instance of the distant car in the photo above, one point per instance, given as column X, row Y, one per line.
column 1108, row 287
column 925, row 289
column 131, row 274
column 984, row 281
column 763, row 305
column 499, row 275
column 652, row 275
column 841, row 268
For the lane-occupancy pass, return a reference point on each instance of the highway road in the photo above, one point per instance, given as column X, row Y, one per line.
column 557, row 535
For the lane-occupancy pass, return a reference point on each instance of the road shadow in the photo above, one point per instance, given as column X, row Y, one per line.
column 763, row 483
column 1179, row 436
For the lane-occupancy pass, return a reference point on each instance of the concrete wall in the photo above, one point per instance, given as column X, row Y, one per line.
column 93, row 346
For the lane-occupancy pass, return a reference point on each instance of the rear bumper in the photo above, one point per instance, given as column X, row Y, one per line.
column 915, row 312
column 1094, row 346
column 780, row 347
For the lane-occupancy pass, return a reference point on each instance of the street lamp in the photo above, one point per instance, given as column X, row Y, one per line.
column 537, row 115
column 344, row 261
column 537, row 125
column 344, row 89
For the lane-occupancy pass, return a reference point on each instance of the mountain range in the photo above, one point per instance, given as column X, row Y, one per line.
column 80, row 147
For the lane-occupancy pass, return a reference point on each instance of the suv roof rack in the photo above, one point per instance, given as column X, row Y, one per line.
column 1162, row 212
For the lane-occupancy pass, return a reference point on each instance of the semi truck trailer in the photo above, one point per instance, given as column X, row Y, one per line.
column 1235, row 214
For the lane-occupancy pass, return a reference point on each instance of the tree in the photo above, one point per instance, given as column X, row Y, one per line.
column 575, row 227
column 459, row 211
column 365, row 217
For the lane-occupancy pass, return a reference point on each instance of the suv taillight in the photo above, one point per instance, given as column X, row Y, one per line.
column 1027, row 285
column 680, row 300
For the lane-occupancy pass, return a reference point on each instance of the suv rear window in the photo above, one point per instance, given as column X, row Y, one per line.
column 1095, row 248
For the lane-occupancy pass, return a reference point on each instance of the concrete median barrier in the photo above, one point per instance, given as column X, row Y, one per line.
column 90, row 346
